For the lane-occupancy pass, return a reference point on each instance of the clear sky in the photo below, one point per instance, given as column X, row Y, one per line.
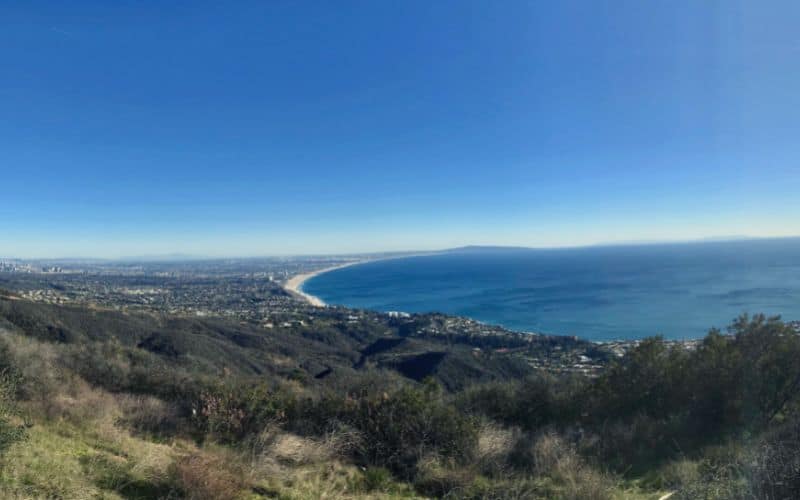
column 257, row 128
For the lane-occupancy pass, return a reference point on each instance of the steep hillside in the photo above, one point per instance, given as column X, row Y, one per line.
column 319, row 351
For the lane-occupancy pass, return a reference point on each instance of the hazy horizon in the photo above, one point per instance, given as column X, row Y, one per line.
column 308, row 128
column 177, row 256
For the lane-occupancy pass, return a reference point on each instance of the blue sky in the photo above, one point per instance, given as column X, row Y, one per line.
column 256, row 128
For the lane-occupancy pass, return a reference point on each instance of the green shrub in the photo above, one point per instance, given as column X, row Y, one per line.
column 530, row 404
column 402, row 427
column 231, row 412
column 396, row 428
column 151, row 416
column 377, row 479
column 10, row 432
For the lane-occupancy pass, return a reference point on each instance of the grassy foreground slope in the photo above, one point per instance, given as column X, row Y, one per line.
column 103, row 404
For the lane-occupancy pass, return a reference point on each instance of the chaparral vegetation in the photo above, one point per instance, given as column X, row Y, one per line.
column 107, row 404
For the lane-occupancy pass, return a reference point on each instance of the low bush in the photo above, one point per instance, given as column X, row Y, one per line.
column 385, row 429
column 495, row 445
column 150, row 415
column 232, row 412
column 207, row 477
column 11, row 429
column 548, row 455
column 402, row 427
column 377, row 479
column 438, row 479
column 530, row 404
column 773, row 471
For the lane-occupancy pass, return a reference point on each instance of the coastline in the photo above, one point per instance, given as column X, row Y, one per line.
column 294, row 285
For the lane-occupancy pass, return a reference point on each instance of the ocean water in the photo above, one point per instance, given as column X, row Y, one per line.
column 597, row 293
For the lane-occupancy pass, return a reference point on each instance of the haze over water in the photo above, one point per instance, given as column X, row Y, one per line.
column 597, row 293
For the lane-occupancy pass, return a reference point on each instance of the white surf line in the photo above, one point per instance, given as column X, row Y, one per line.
column 294, row 284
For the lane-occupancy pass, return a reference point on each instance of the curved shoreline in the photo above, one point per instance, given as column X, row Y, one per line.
column 294, row 285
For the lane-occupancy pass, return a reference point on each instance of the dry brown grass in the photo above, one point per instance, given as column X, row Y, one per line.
column 275, row 452
column 438, row 479
column 203, row 476
column 38, row 364
column 495, row 445
column 296, row 450
column 149, row 414
column 554, row 458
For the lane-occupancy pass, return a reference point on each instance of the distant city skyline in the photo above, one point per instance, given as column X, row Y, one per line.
column 311, row 128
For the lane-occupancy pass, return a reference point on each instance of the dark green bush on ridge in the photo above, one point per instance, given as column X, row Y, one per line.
column 397, row 428
column 401, row 428
column 660, row 400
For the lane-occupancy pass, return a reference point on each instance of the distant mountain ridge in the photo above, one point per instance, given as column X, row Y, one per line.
column 709, row 239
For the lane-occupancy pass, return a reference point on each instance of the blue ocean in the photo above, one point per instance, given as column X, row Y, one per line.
column 597, row 293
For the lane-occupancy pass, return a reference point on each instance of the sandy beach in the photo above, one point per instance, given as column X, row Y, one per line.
column 295, row 283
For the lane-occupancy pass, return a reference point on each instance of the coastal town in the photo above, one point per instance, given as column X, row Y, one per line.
column 267, row 292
